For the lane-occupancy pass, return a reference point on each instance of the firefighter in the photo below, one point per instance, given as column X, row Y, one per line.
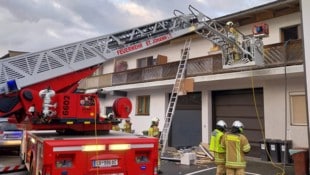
column 127, row 126
column 234, row 36
column 154, row 132
column 232, row 32
column 216, row 147
column 236, row 145
column 115, row 126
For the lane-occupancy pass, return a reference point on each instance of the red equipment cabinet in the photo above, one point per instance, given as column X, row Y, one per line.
column 48, row 153
column 260, row 30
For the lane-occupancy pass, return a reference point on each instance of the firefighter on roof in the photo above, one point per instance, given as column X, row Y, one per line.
column 236, row 145
column 216, row 147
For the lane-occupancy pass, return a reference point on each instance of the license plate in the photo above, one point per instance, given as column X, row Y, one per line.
column 12, row 136
column 105, row 163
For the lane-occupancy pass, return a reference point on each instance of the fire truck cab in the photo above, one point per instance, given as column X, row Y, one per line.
column 118, row 153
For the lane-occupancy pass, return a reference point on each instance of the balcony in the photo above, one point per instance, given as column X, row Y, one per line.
column 275, row 55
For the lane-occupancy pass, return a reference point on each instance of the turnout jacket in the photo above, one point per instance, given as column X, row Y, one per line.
column 216, row 147
column 236, row 146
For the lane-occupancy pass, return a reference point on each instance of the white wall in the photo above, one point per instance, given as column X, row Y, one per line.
column 142, row 122
column 206, row 114
column 274, row 107
column 305, row 4
column 275, row 25
column 275, row 116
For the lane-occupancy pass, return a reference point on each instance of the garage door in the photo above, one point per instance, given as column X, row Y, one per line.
column 186, row 125
column 231, row 105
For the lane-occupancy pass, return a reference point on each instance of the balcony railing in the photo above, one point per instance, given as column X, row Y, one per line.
column 275, row 55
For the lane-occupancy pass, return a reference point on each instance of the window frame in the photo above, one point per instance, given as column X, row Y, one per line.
column 145, row 62
column 144, row 102
column 298, row 32
column 302, row 110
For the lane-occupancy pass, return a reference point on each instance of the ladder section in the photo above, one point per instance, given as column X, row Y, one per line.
column 237, row 49
column 28, row 69
column 174, row 96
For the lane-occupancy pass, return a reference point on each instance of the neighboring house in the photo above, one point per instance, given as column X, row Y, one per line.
column 269, row 99
column 12, row 53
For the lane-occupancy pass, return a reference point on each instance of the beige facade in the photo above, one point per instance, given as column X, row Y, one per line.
column 280, row 83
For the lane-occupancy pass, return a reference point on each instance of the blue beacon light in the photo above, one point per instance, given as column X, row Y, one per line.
column 12, row 86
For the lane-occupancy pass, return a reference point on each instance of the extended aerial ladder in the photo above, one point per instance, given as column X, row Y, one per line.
column 58, row 70
column 246, row 51
column 32, row 68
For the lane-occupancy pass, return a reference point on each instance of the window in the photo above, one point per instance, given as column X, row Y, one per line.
column 145, row 62
column 121, row 66
column 108, row 110
column 290, row 33
column 298, row 108
column 143, row 105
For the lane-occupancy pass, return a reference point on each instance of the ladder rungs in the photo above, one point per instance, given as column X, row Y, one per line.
column 174, row 94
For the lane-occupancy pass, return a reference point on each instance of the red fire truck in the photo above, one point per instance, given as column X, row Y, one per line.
column 47, row 152
column 39, row 92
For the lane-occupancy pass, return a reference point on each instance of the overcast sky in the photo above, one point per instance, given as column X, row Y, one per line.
column 34, row 25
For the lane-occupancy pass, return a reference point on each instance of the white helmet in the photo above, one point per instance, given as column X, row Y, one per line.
column 238, row 124
column 155, row 119
column 229, row 23
column 221, row 124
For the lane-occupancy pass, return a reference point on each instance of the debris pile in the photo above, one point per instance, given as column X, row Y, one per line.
column 193, row 155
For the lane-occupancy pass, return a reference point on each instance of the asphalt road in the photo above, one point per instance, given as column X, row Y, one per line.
column 10, row 158
column 254, row 167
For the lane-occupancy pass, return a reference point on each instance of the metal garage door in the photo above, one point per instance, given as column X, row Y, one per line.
column 186, row 125
column 231, row 105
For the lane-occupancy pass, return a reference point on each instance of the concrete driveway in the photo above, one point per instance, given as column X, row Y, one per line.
column 254, row 167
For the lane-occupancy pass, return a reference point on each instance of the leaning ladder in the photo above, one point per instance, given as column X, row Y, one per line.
column 174, row 96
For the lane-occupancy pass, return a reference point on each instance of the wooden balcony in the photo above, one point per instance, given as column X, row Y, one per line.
column 275, row 55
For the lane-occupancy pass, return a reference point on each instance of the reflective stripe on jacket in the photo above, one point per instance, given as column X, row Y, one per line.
column 153, row 131
column 236, row 145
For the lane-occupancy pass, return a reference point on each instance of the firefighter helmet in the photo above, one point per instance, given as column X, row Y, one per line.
column 229, row 23
column 221, row 124
column 110, row 115
column 237, row 124
column 155, row 119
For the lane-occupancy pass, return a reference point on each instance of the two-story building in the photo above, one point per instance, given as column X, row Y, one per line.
column 268, row 99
